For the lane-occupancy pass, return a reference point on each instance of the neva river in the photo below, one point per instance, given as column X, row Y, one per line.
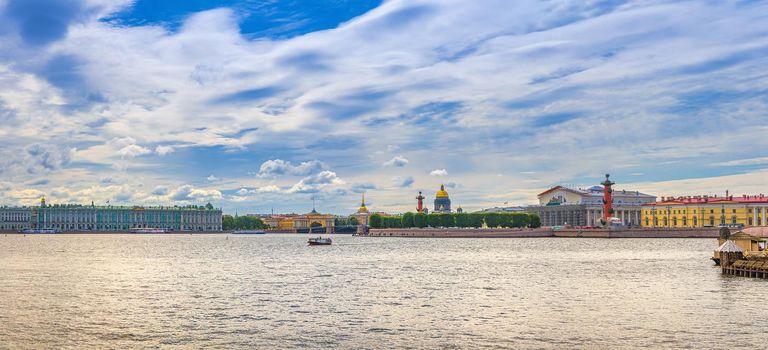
column 273, row 291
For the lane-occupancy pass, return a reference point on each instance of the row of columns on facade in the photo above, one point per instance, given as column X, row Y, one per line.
column 626, row 216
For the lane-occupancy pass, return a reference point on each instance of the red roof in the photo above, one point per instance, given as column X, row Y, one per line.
column 759, row 231
column 712, row 200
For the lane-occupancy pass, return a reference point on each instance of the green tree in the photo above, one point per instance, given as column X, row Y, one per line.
column 420, row 220
column 521, row 219
column 505, row 220
column 446, row 220
column 535, row 221
column 407, row 220
column 375, row 221
column 492, row 220
column 433, row 220
column 353, row 221
column 475, row 220
column 315, row 224
column 228, row 222
column 461, row 220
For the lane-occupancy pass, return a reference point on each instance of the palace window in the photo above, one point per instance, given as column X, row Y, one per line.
column 711, row 221
column 695, row 221
column 674, row 221
column 685, row 221
column 750, row 221
column 733, row 219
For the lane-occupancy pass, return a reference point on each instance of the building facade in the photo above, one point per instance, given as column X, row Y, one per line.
column 707, row 211
column 306, row 221
column 76, row 217
column 15, row 218
column 560, row 206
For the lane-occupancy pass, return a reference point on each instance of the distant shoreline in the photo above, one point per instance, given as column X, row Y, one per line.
column 457, row 233
column 548, row 232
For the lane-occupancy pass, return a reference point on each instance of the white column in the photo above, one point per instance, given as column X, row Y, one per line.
column 764, row 223
column 754, row 216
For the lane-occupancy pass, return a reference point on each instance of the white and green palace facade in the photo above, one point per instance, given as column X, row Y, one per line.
column 76, row 217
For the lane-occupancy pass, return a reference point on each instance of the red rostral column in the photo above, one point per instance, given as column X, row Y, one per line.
column 607, row 197
column 420, row 207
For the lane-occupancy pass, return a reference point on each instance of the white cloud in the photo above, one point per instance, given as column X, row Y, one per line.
column 317, row 182
column 741, row 162
column 164, row 150
column 133, row 151
column 189, row 193
column 274, row 167
column 397, row 161
column 258, row 190
column 439, row 172
column 212, row 178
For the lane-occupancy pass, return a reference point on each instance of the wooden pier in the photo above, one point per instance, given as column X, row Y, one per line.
column 748, row 268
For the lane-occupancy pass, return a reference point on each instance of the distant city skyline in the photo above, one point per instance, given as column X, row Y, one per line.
column 257, row 106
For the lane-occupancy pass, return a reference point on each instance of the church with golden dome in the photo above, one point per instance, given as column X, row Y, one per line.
column 442, row 201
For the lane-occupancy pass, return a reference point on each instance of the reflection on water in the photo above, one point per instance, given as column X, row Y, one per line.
column 273, row 291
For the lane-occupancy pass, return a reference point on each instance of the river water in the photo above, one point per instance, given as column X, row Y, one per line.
column 274, row 291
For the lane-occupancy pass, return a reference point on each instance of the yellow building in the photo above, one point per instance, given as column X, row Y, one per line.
column 296, row 223
column 313, row 218
column 277, row 222
column 706, row 211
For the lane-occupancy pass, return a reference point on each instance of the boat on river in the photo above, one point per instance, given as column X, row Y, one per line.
column 320, row 241
column 149, row 230
column 40, row 230
column 249, row 232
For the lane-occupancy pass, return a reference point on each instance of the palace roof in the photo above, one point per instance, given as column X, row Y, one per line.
column 745, row 199
column 594, row 191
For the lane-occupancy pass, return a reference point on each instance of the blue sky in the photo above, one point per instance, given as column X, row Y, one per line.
column 260, row 105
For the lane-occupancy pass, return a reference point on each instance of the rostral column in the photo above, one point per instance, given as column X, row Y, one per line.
column 420, row 206
column 607, row 197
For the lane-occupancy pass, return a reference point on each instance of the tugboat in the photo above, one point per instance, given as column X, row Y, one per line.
column 320, row 241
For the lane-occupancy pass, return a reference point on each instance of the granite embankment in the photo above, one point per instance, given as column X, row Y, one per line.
column 548, row 232
column 460, row 233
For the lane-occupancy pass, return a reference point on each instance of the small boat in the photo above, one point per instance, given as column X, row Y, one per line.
column 40, row 230
column 320, row 241
column 249, row 232
column 149, row 230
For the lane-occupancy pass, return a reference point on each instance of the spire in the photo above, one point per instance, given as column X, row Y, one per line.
column 442, row 187
column 362, row 208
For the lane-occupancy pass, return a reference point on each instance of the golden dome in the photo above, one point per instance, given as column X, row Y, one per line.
column 362, row 208
column 442, row 193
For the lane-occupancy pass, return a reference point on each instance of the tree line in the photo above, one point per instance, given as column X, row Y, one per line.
column 229, row 222
column 462, row 220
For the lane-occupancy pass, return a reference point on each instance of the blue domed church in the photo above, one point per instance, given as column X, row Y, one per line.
column 442, row 201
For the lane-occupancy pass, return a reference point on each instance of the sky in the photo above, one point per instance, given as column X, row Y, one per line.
column 259, row 106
